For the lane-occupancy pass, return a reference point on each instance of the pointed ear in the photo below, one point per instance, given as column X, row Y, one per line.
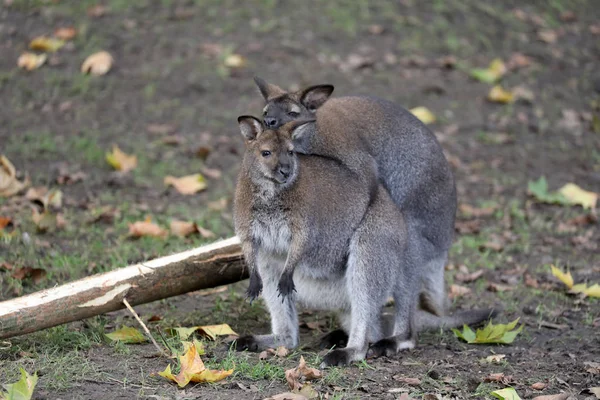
column 250, row 127
column 267, row 90
column 314, row 96
column 302, row 132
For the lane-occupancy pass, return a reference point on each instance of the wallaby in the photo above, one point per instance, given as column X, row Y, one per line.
column 408, row 160
column 305, row 221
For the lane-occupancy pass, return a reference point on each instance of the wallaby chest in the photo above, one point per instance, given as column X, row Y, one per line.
column 270, row 226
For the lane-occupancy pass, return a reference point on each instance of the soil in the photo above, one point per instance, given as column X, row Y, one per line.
column 171, row 79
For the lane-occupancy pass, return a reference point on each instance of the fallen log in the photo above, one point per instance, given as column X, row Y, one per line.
column 217, row 264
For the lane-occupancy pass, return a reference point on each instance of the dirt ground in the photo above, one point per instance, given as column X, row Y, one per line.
column 172, row 99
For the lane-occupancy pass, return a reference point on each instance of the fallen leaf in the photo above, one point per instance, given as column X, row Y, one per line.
column 193, row 369
column 468, row 227
column 187, row 185
column 22, row 389
column 97, row 10
column 97, row 64
column 499, row 377
column 477, row 212
column 218, row 205
column 47, row 221
column 458, row 291
column 576, row 195
column 203, row 152
column 263, row 355
column 65, row 33
column 282, row 351
column 146, row 228
column 539, row 190
column 9, row 184
column 46, row 198
column 591, row 291
column 469, row 277
column 547, row 35
column 519, row 60
column 506, row 394
column 121, row 161
column 495, row 358
column 496, row 287
column 127, row 335
column 498, row 95
column 46, row 44
column 595, row 391
column 36, row 274
column 212, row 173
column 492, row 73
column 593, row 367
column 565, row 278
column 161, row 129
column 31, row 61
column 491, row 333
column 4, row 222
column 183, row 228
column 538, row 386
column 423, row 113
column 560, row 396
column 287, row 396
column 297, row 376
column 234, row 61
column 210, row 331
column 408, row 381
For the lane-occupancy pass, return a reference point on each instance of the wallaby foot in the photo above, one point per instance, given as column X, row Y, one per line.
column 342, row 357
column 255, row 286
column 249, row 343
column 337, row 339
column 389, row 347
column 256, row 343
column 286, row 285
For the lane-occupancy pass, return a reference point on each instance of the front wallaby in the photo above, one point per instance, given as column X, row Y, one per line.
column 307, row 218
column 362, row 131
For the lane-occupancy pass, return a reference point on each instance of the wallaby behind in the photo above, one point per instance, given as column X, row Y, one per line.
column 363, row 131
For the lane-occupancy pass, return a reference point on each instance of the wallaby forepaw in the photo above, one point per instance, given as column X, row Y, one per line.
column 336, row 358
column 248, row 343
column 337, row 339
column 384, row 347
column 254, row 289
column 286, row 286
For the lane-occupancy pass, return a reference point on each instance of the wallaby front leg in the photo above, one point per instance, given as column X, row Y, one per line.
column 286, row 285
column 284, row 319
column 255, row 285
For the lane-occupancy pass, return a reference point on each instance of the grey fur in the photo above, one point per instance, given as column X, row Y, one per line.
column 367, row 132
column 349, row 261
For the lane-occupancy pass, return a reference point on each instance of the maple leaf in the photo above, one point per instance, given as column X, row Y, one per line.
column 539, row 190
column 146, row 228
column 9, row 184
column 120, row 160
column 491, row 333
column 187, row 185
column 97, row 64
column 22, row 389
column 423, row 113
column 210, row 331
column 127, row 335
column 499, row 95
column 46, row 44
column 576, row 195
column 491, row 74
column 30, row 61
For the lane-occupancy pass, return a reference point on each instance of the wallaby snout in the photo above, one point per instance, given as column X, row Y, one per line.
column 270, row 122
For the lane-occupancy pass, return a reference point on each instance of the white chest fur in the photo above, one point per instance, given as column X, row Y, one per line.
column 272, row 232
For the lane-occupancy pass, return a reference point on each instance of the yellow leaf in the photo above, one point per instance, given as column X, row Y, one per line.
column 43, row 43
column 506, row 394
column 592, row 291
column 497, row 67
column 146, row 228
column 9, row 184
column 120, row 160
column 97, row 64
column 565, row 278
column 189, row 184
column 499, row 95
column 212, row 331
column 577, row 195
column 46, row 221
column 193, row 369
column 183, row 228
column 491, row 74
column 31, row 61
column 127, row 335
column 424, row 115
column 234, row 61
column 22, row 389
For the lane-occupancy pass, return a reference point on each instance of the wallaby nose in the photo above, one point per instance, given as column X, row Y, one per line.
column 270, row 122
column 284, row 170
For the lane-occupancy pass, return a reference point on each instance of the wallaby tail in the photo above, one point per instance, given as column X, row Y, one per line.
column 426, row 321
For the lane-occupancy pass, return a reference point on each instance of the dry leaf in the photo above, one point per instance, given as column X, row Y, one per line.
column 469, row 277
column 458, row 291
column 477, row 212
column 9, row 184
column 495, row 358
column 47, row 198
column 161, row 129
column 65, row 33
column 538, row 386
column 146, row 228
column 46, row 221
column 560, row 396
column 127, row 335
column 46, row 44
column 31, row 61
column 281, row 351
column 498, row 95
column 287, row 396
column 423, row 114
column 4, row 222
column 97, row 10
column 547, row 35
column 499, row 377
column 496, row 287
column 519, row 60
column 234, row 61
column 468, row 227
column 36, row 274
column 218, row 205
column 183, row 228
column 264, row 355
column 297, row 376
column 121, row 161
column 577, row 195
column 408, row 381
column 97, row 64
column 187, row 185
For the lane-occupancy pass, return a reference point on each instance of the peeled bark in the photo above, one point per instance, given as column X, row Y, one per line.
column 217, row 264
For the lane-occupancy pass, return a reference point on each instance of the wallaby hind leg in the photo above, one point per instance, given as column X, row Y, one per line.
column 284, row 317
column 339, row 338
column 433, row 294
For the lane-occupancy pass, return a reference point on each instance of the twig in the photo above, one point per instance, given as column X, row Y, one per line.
column 161, row 351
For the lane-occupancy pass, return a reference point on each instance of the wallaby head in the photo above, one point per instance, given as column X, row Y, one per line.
column 283, row 107
column 271, row 152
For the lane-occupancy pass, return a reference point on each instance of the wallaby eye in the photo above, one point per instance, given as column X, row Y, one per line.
column 265, row 153
column 312, row 108
column 293, row 114
column 290, row 152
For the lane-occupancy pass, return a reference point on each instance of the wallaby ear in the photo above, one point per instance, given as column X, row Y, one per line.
column 301, row 132
column 250, row 127
column 314, row 96
column 268, row 90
